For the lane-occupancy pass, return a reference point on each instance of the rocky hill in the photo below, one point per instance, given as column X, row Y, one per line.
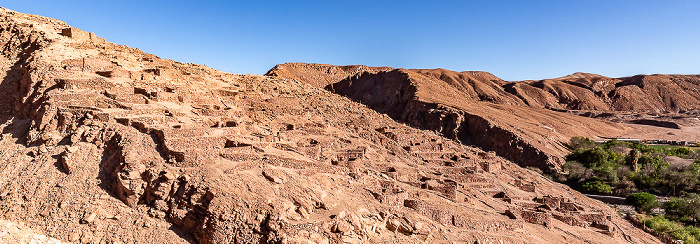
column 579, row 91
column 320, row 75
column 476, row 108
column 640, row 93
column 103, row 143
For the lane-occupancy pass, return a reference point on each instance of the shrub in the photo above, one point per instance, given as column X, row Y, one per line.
column 688, row 234
column 643, row 201
column 615, row 143
column 597, row 186
column 608, row 172
column 579, row 142
column 685, row 208
column 625, row 187
column 676, row 209
column 594, row 157
column 646, row 149
column 679, row 151
column 656, row 162
column 695, row 167
column 576, row 170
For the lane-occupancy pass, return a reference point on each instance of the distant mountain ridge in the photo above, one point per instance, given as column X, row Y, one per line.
column 579, row 91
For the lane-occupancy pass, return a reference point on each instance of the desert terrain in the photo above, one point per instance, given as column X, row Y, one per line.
column 103, row 143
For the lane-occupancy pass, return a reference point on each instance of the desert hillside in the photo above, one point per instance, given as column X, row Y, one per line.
column 523, row 121
column 580, row 91
column 103, row 143
column 473, row 107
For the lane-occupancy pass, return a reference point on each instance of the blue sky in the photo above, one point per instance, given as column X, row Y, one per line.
column 515, row 40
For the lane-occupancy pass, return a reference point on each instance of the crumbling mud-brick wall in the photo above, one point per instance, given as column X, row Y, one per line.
column 595, row 217
column 441, row 216
column 535, row 217
column 569, row 219
column 552, row 202
column 570, row 206
column 393, row 199
column 446, row 188
column 79, row 34
column 491, row 166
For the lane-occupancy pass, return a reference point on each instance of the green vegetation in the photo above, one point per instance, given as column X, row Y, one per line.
column 681, row 215
column 579, row 142
column 597, row 186
column 685, row 209
column 638, row 171
column 666, row 147
column 620, row 168
column 688, row 234
column 643, row 201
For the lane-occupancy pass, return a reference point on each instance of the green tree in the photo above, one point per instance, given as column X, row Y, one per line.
column 615, row 143
column 655, row 162
column 594, row 157
column 644, row 148
column 643, row 201
column 688, row 234
column 679, row 151
column 579, row 142
column 695, row 167
column 597, row 186
column 685, row 208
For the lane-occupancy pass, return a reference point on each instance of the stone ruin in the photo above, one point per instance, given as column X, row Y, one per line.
column 79, row 34
column 562, row 209
column 463, row 173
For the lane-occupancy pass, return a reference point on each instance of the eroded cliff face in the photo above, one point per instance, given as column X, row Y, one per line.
column 104, row 143
column 472, row 129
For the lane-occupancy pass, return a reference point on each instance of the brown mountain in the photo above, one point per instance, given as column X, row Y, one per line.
column 579, row 91
column 105, row 143
column 478, row 108
column 640, row 93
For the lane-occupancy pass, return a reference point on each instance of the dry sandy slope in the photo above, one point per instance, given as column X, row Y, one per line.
column 11, row 232
column 648, row 132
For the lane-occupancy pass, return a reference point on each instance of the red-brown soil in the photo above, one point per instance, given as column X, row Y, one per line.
column 102, row 143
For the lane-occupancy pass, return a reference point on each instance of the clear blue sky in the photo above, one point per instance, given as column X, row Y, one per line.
column 515, row 40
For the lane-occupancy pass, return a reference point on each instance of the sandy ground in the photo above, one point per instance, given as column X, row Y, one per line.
column 686, row 133
column 12, row 232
